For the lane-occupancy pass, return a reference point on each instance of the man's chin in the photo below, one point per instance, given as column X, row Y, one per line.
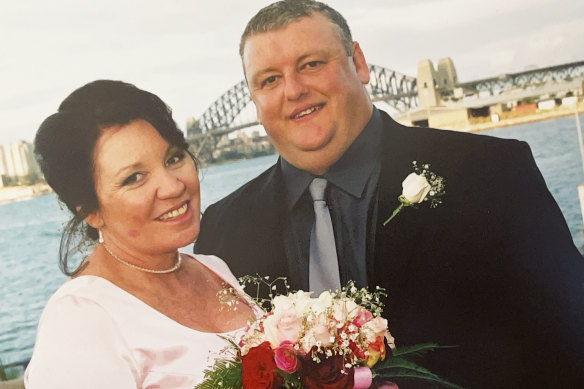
column 316, row 161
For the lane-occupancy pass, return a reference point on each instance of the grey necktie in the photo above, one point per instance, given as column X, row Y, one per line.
column 323, row 271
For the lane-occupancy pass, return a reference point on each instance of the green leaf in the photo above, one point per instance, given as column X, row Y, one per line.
column 416, row 350
column 291, row 381
column 223, row 374
column 402, row 368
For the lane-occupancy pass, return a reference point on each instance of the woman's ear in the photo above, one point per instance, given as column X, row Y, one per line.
column 94, row 219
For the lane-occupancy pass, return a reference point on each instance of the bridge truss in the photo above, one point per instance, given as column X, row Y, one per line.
column 396, row 89
column 535, row 77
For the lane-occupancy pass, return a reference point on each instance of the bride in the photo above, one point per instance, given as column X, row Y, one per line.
column 136, row 313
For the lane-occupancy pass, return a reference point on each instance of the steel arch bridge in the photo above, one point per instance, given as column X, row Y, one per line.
column 558, row 73
column 396, row 89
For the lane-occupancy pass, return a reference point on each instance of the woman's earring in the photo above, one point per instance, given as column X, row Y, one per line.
column 100, row 236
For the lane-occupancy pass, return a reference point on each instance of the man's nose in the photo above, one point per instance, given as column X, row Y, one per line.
column 295, row 87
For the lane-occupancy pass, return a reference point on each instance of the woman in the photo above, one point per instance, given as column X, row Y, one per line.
column 135, row 313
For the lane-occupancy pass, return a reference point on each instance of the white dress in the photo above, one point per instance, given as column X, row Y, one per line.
column 92, row 334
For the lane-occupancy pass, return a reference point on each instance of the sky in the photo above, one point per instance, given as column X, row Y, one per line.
column 186, row 51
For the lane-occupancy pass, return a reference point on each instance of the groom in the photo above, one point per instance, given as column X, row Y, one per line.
column 492, row 269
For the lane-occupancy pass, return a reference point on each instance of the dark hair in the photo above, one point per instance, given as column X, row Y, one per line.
column 280, row 14
column 65, row 141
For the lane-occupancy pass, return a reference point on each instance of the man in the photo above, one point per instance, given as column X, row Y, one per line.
column 492, row 269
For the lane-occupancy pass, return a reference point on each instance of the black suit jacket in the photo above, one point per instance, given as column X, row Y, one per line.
column 493, row 269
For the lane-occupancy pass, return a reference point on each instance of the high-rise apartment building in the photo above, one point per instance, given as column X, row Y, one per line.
column 3, row 168
column 17, row 160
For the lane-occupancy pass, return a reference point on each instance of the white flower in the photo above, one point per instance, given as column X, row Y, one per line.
column 299, row 301
column 344, row 310
column 420, row 186
column 322, row 303
column 415, row 188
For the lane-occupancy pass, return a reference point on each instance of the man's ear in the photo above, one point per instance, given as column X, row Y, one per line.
column 256, row 106
column 258, row 115
column 361, row 66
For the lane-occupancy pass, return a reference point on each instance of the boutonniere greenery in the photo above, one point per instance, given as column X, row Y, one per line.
column 421, row 186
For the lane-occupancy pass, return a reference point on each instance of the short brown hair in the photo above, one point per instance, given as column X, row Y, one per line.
column 280, row 14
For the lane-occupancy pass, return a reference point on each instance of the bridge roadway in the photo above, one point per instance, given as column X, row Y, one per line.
column 394, row 88
column 525, row 79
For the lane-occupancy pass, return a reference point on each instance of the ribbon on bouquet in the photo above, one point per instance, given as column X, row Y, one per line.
column 362, row 379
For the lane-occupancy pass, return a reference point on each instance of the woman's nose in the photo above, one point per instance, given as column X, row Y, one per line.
column 170, row 185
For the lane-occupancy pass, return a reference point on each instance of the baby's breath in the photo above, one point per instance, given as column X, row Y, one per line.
column 437, row 184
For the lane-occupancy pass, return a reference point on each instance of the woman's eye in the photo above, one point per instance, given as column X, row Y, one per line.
column 133, row 178
column 175, row 158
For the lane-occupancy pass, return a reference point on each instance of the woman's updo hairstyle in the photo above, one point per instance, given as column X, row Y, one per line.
column 65, row 141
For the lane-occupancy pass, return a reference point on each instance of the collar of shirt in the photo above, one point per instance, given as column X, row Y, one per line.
column 350, row 172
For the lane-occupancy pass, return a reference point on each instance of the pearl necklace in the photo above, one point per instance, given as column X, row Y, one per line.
column 175, row 267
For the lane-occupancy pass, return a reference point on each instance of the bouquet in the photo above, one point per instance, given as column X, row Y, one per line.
column 336, row 340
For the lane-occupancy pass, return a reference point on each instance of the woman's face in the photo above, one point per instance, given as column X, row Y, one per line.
column 147, row 190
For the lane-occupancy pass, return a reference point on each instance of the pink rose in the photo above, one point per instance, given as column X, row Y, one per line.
column 319, row 336
column 362, row 317
column 285, row 357
column 281, row 326
column 384, row 385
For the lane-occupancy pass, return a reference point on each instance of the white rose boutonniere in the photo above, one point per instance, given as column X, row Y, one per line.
column 415, row 188
column 421, row 186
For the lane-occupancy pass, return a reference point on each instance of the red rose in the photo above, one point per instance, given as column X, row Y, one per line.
column 328, row 374
column 258, row 369
column 357, row 351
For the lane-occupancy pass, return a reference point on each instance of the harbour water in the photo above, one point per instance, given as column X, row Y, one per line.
column 30, row 230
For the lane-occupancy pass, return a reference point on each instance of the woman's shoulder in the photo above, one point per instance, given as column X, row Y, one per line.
column 212, row 262
column 217, row 266
column 84, row 296
column 77, row 331
column 87, row 288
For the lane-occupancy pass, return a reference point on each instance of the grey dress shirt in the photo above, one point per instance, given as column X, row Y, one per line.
column 352, row 199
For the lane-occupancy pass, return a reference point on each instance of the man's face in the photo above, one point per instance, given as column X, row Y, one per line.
column 309, row 95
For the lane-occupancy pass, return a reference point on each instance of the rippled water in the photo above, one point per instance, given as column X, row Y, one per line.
column 30, row 230
column 29, row 245
column 554, row 144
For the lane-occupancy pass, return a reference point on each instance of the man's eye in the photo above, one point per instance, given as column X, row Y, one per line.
column 175, row 158
column 312, row 64
column 268, row 81
column 133, row 178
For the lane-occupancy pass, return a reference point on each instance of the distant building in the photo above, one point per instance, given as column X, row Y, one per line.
column 445, row 102
column 17, row 161
column 446, row 73
column 3, row 167
column 436, row 85
column 427, row 86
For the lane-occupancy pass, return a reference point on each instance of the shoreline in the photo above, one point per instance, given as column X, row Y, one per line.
column 537, row 116
column 21, row 193
column 10, row 194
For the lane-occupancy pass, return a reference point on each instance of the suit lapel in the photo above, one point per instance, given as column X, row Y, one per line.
column 393, row 247
column 288, row 260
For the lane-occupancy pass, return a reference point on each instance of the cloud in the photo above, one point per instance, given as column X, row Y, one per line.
column 186, row 51
column 436, row 15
